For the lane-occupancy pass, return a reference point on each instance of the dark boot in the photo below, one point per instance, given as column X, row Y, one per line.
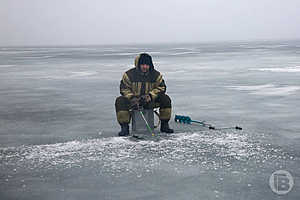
column 124, row 130
column 164, row 127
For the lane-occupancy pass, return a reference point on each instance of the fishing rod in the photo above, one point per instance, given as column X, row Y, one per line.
column 139, row 107
column 146, row 122
column 188, row 120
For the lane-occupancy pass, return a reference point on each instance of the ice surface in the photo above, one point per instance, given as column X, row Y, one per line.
column 284, row 69
column 58, row 126
column 268, row 89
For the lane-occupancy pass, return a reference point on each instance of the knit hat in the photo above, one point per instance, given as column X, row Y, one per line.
column 146, row 60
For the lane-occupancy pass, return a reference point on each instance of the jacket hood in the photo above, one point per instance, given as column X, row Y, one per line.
column 143, row 58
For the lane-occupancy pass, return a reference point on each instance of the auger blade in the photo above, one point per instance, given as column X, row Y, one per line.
column 187, row 120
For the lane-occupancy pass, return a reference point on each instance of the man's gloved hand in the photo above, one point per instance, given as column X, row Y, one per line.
column 146, row 98
column 134, row 101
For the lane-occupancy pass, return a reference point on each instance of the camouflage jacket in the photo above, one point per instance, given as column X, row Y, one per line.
column 135, row 83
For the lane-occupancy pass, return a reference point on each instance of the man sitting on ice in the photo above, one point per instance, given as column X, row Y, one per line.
column 144, row 83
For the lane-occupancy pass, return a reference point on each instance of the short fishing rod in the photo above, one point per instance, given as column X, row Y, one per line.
column 139, row 108
column 146, row 122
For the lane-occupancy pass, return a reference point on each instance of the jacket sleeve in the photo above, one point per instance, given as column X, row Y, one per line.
column 159, row 87
column 126, row 87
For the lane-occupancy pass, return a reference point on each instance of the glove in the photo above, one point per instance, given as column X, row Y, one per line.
column 134, row 101
column 146, row 98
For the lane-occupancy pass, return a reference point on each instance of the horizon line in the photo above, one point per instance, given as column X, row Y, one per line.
column 154, row 43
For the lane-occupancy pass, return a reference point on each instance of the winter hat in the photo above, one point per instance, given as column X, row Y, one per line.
column 146, row 60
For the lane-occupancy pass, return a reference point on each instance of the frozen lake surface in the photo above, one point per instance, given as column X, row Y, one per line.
column 58, row 127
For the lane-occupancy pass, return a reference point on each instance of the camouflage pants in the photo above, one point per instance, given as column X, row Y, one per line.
column 163, row 102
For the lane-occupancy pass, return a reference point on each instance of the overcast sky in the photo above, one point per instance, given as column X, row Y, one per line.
column 83, row 22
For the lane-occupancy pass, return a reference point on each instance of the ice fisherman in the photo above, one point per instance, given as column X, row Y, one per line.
column 143, row 83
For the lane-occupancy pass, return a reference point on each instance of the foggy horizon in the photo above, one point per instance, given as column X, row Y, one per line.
column 116, row 22
column 157, row 43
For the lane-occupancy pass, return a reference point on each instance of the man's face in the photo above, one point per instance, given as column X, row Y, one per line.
column 145, row 68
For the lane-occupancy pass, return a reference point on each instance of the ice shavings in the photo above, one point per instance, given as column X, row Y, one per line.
column 116, row 155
